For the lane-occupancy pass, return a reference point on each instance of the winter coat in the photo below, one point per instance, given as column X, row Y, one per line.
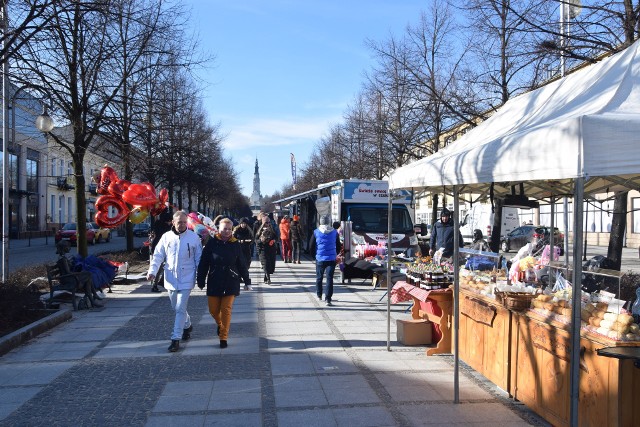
column 266, row 249
column 325, row 243
column 181, row 254
column 221, row 267
column 442, row 237
column 245, row 235
column 284, row 230
column 296, row 232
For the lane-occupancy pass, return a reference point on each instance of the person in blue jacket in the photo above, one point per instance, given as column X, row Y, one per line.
column 442, row 235
column 325, row 246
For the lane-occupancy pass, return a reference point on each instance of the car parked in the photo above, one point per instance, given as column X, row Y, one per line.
column 524, row 234
column 69, row 233
column 142, row 229
column 101, row 233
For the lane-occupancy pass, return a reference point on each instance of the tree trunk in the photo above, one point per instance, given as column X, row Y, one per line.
column 618, row 226
column 81, row 204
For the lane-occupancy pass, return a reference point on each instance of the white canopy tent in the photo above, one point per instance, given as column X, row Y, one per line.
column 577, row 136
column 584, row 125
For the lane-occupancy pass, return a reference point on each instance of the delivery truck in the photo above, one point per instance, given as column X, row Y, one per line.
column 365, row 203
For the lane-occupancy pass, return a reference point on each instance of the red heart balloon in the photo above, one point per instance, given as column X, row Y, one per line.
column 107, row 176
column 140, row 195
column 102, row 211
column 116, row 188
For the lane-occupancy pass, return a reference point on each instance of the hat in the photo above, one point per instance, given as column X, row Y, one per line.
column 245, row 220
column 325, row 220
column 445, row 212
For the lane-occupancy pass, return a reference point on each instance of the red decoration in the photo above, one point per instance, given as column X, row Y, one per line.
column 140, row 195
column 107, row 176
column 102, row 215
column 116, row 188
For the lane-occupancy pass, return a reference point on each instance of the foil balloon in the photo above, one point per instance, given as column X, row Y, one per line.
column 138, row 214
column 107, row 176
column 118, row 187
column 103, row 203
column 201, row 230
column 140, row 195
column 192, row 220
column 163, row 196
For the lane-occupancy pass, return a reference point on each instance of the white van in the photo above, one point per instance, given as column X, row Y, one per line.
column 480, row 217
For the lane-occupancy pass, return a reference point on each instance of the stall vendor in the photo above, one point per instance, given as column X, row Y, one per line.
column 442, row 235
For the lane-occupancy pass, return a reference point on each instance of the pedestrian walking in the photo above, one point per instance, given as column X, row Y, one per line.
column 161, row 225
column 296, row 238
column 221, row 267
column 243, row 233
column 285, row 239
column 325, row 246
column 266, row 243
column 256, row 225
column 180, row 250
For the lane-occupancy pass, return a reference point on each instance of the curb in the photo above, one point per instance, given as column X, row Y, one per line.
column 24, row 334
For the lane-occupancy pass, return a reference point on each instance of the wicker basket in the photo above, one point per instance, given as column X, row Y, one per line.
column 523, row 298
column 518, row 302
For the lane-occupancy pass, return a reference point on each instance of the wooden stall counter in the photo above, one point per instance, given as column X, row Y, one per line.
column 484, row 336
column 540, row 374
column 435, row 306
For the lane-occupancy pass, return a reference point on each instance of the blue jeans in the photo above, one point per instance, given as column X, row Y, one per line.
column 179, row 300
column 330, row 267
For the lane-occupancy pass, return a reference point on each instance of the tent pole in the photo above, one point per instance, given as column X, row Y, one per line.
column 578, row 208
column 456, row 294
column 389, row 255
column 552, row 236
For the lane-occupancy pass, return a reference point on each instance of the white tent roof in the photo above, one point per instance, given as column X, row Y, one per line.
column 584, row 125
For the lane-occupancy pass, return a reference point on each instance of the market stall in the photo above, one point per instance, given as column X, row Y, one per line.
column 575, row 137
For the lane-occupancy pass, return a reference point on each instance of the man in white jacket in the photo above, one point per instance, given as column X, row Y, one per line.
column 180, row 250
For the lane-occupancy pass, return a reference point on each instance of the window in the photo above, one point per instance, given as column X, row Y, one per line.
column 32, row 175
column 53, row 208
column 61, row 168
column 69, row 169
column 61, row 210
column 69, row 210
column 635, row 221
column 53, row 167
column 374, row 219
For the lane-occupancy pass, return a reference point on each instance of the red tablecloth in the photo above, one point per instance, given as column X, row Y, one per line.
column 402, row 291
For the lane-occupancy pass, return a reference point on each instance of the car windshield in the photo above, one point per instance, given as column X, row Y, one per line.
column 142, row 226
column 95, row 226
column 70, row 226
column 374, row 219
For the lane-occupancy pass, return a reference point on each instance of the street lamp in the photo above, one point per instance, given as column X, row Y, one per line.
column 44, row 122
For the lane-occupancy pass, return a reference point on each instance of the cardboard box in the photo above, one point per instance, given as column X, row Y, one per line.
column 413, row 332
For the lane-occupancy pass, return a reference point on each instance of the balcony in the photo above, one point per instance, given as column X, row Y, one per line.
column 62, row 184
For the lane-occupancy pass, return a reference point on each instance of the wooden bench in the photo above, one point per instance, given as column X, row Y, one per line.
column 65, row 282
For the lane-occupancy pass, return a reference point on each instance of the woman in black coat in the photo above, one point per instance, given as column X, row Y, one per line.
column 221, row 266
column 266, row 242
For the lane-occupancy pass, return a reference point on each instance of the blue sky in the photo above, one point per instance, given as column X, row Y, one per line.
column 285, row 71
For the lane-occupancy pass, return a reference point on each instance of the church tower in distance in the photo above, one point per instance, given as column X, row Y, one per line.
column 255, row 201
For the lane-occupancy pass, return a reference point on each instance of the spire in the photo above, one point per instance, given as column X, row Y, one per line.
column 256, row 198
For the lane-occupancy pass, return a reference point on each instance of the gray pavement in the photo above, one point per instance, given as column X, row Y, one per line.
column 291, row 361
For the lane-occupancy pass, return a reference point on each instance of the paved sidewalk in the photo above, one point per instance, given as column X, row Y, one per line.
column 291, row 361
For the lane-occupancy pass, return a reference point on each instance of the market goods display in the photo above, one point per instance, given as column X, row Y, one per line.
column 429, row 276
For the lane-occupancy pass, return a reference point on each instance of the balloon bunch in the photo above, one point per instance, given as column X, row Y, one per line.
column 201, row 224
column 132, row 201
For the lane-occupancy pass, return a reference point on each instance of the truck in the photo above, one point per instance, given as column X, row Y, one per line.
column 365, row 204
